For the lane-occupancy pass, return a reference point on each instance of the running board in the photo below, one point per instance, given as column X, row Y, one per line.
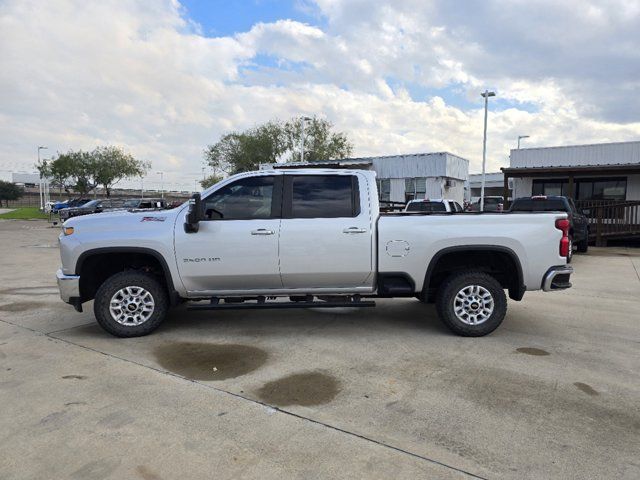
column 271, row 305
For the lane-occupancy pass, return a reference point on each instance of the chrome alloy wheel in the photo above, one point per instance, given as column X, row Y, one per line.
column 473, row 305
column 131, row 306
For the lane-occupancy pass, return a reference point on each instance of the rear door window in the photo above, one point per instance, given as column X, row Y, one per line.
column 322, row 196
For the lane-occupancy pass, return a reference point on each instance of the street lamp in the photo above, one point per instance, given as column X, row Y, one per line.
column 161, row 184
column 302, row 121
column 40, row 183
column 486, row 94
column 520, row 137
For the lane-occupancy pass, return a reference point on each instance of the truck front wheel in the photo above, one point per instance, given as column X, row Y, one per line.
column 131, row 304
column 471, row 304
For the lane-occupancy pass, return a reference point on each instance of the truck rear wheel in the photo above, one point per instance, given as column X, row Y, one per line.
column 131, row 304
column 471, row 304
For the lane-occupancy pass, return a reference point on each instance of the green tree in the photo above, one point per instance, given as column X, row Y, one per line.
column 66, row 171
column 274, row 141
column 244, row 151
column 109, row 165
column 320, row 143
column 210, row 180
column 9, row 191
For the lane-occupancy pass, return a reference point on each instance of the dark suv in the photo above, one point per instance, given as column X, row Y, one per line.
column 579, row 223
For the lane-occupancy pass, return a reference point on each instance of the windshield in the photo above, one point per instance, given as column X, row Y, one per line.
column 92, row 203
column 131, row 203
column 426, row 207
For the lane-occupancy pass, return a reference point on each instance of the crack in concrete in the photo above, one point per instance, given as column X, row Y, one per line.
column 257, row 402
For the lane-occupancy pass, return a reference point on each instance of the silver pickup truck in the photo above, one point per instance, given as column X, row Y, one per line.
column 306, row 238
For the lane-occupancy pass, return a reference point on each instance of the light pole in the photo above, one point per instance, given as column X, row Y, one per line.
column 40, row 182
column 161, row 184
column 141, row 186
column 520, row 137
column 302, row 120
column 486, row 94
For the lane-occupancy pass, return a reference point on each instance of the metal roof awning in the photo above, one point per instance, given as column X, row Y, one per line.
column 563, row 171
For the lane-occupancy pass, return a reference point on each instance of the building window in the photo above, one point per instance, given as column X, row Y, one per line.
column 414, row 188
column 602, row 189
column 585, row 188
column 550, row 187
column 384, row 189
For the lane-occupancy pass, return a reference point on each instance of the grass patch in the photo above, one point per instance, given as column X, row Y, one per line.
column 27, row 213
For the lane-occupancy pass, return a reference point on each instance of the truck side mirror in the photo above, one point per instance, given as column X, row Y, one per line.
column 194, row 215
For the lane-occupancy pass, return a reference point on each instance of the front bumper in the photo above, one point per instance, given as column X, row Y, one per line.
column 69, row 286
column 557, row 278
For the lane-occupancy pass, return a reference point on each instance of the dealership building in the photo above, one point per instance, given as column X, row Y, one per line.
column 600, row 172
column 402, row 178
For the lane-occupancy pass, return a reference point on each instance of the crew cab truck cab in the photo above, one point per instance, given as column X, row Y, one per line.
column 300, row 238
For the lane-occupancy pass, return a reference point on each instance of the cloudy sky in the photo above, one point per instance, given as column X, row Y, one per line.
column 165, row 78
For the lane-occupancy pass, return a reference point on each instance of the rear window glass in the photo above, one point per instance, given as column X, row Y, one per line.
column 323, row 196
column 426, row 207
column 540, row 205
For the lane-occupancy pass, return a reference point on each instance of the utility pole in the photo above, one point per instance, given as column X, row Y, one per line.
column 302, row 121
column 486, row 94
column 161, row 184
column 521, row 137
column 40, row 182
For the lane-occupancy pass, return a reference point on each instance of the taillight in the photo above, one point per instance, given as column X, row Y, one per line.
column 563, row 225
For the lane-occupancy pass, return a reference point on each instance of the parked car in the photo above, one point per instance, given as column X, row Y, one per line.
column 75, row 202
column 491, row 204
column 433, row 205
column 93, row 206
column 314, row 236
column 578, row 222
column 145, row 203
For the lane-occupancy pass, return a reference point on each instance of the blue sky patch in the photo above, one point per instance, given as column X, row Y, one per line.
column 225, row 18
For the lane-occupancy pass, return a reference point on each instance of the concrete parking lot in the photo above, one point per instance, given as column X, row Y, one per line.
column 376, row 393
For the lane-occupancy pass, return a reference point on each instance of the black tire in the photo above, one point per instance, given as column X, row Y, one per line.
column 131, row 278
column 447, row 295
column 583, row 245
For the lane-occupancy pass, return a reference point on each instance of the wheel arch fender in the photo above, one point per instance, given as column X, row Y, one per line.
column 516, row 292
column 166, row 270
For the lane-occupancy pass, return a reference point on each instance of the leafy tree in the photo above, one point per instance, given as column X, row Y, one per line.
column 210, row 180
column 274, row 141
column 320, row 143
column 244, row 151
column 9, row 191
column 68, row 170
column 109, row 165
column 84, row 171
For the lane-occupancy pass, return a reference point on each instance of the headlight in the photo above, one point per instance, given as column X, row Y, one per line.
column 67, row 230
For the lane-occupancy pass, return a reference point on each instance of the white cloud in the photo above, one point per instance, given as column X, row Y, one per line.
column 77, row 74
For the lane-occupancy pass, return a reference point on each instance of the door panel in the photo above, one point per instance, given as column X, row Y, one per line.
column 236, row 248
column 321, row 252
column 229, row 255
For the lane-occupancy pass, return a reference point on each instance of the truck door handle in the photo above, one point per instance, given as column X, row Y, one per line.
column 354, row 230
column 262, row 231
